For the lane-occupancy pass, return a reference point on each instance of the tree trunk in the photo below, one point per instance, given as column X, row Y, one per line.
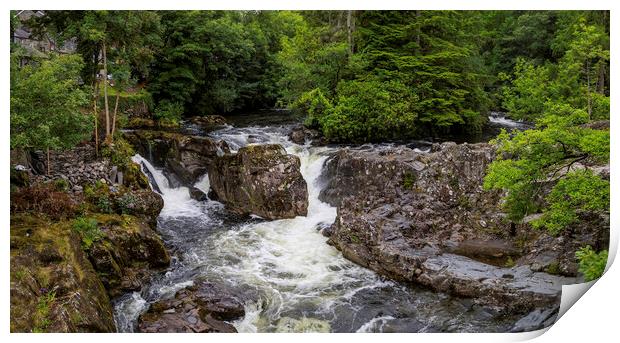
column 588, row 89
column 118, row 95
column 349, row 31
column 419, row 28
column 105, row 92
column 96, row 118
column 601, row 79
column 48, row 161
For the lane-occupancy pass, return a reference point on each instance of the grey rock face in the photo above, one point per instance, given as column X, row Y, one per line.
column 425, row 218
column 262, row 180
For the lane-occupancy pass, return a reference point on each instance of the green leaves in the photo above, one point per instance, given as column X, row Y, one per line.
column 46, row 102
column 529, row 160
column 591, row 264
column 577, row 191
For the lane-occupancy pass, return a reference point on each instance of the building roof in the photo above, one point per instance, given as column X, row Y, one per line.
column 21, row 33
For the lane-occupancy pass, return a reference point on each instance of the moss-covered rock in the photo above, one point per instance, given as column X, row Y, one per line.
column 54, row 288
column 127, row 252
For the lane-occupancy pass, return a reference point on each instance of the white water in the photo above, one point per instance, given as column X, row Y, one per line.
column 296, row 281
column 501, row 120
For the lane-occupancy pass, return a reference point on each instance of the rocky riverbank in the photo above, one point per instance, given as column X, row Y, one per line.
column 424, row 218
column 416, row 217
column 79, row 239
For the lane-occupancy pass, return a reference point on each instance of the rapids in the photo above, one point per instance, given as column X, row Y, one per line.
column 291, row 280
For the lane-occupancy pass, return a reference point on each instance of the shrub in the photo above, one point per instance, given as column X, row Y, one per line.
column 61, row 185
column 370, row 111
column 314, row 105
column 408, row 180
column 43, row 198
column 119, row 153
column 591, row 264
column 125, row 203
column 98, row 195
column 88, row 230
column 168, row 113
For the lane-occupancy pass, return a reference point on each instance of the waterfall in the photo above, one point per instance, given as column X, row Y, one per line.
column 295, row 280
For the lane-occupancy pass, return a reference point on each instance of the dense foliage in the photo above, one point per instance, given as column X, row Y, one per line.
column 591, row 264
column 46, row 104
column 356, row 76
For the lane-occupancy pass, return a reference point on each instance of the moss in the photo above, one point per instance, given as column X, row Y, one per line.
column 355, row 239
column 463, row 202
column 409, row 180
column 61, row 185
column 42, row 315
column 454, row 182
column 47, row 264
column 509, row 262
column 18, row 275
column 553, row 268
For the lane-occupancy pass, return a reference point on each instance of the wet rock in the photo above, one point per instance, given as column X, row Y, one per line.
column 262, row 180
column 197, row 194
column 301, row 134
column 209, row 123
column 536, row 320
column 425, row 218
column 298, row 135
column 188, row 157
column 203, row 307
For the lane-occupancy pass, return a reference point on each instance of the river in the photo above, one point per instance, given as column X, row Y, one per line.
column 293, row 280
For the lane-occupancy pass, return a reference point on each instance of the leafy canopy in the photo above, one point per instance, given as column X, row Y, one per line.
column 46, row 103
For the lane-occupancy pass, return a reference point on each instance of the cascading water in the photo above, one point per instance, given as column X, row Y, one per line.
column 294, row 280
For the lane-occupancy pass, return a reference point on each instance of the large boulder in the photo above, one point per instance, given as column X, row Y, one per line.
column 260, row 179
column 186, row 156
column 425, row 218
column 202, row 307
column 143, row 203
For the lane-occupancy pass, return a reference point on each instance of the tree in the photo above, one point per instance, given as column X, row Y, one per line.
column 103, row 36
column 577, row 74
column 46, row 103
column 549, row 154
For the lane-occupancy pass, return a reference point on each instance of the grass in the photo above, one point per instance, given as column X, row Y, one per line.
column 41, row 317
column 408, row 180
column 88, row 230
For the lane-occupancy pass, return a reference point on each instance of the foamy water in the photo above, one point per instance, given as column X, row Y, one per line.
column 295, row 281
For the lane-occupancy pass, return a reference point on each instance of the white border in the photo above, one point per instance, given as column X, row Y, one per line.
column 592, row 318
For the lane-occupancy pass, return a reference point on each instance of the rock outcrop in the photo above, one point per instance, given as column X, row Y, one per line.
column 208, row 123
column 424, row 218
column 126, row 254
column 260, row 179
column 203, row 307
column 54, row 288
column 301, row 135
column 186, row 156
